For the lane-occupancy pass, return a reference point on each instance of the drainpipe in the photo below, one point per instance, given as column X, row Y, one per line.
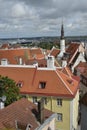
column 51, row 103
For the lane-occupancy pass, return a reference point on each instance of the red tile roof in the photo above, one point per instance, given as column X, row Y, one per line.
column 82, row 67
column 57, row 83
column 21, row 111
column 54, row 52
column 67, row 71
column 72, row 50
column 13, row 55
column 41, row 62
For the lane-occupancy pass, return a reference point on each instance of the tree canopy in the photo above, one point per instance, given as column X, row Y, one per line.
column 9, row 89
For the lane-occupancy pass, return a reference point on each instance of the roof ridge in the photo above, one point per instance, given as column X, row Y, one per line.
column 73, row 56
column 68, row 72
column 64, row 83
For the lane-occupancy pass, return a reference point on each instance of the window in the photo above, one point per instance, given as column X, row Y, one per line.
column 59, row 116
column 59, row 102
column 42, row 85
column 45, row 101
column 49, row 128
column 20, row 84
column 34, row 99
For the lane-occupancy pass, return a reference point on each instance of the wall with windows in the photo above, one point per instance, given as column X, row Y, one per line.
column 59, row 106
column 75, row 111
column 66, row 109
column 62, row 108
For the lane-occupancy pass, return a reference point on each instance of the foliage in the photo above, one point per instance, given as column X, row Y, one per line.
column 8, row 88
column 48, row 46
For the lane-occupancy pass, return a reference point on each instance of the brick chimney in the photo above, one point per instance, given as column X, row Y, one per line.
column 41, row 110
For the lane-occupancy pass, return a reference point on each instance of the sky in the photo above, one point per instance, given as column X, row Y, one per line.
column 34, row 18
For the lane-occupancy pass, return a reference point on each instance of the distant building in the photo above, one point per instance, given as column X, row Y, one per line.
column 81, row 70
column 70, row 56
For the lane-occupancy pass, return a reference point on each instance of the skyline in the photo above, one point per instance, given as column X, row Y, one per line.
column 35, row 18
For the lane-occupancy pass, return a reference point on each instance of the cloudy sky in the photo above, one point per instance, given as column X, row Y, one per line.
column 27, row 18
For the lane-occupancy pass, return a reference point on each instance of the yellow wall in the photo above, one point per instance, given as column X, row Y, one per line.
column 75, row 110
column 64, row 109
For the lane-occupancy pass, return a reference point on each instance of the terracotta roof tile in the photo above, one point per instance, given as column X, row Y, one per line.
column 71, row 50
column 13, row 55
column 21, row 111
column 82, row 67
column 55, row 52
column 57, row 83
column 41, row 62
column 66, row 70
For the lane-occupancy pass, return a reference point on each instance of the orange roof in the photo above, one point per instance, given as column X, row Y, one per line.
column 55, row 52
column 72, row 50
column 35, row 51
column 57, row 83
column 66, row 70
column 13, row 55
column 41, row 62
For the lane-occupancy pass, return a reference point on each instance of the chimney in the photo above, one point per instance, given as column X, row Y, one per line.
column 2, row 100
column 20, row 61
column 50, row 61
column 41, row 110
column 1, row 105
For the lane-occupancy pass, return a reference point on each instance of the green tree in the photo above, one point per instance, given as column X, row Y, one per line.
column 9, row 88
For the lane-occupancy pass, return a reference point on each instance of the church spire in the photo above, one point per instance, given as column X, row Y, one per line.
column 62, row 31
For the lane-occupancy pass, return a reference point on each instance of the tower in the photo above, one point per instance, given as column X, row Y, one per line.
column 62, row 42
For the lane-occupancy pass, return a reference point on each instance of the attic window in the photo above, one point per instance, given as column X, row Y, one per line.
column 20, row 84
column 42, row 85
column 29, row 126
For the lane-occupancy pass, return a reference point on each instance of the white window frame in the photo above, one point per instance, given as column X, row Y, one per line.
column 42, row 84
column 34, row 99
column 59, row 117
column 59, row 102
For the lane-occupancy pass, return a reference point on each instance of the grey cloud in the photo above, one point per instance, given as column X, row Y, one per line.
column 44, row 16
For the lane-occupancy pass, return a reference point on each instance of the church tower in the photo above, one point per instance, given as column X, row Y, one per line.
column 62, row 42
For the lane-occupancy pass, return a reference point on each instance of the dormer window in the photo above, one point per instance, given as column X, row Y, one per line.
column 42, row 85
column 20, row 84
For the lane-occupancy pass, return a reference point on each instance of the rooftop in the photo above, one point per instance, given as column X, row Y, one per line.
column 57, row 83
column 21, row 113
